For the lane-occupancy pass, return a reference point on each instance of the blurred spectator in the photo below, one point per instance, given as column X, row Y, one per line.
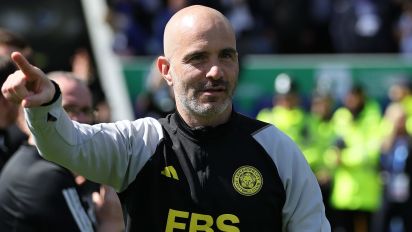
column 160, row 20
column 157, row 99
column 363, row 26
column 82, row 67
column 252, row 21
column 404, row 28
column 286, row 113
column 239, row 15
column 138, row 25
column 10, row 136
column 356, row 190
column 130, row 22
column 319, row 137
column 401, row 92
column 396, row 166
column 38, row 195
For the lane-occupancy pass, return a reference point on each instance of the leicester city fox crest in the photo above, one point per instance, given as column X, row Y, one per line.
column 247, row 180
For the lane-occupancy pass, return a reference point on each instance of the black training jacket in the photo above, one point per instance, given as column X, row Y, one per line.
column 244, row 175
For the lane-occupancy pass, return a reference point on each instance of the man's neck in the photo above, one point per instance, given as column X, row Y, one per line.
column 195, row 121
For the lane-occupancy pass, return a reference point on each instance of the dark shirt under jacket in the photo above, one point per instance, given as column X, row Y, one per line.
column 37, row 195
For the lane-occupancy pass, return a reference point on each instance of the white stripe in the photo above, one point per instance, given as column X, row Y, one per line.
column 77, row 210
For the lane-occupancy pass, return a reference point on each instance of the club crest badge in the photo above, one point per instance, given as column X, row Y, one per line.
column 247, row 180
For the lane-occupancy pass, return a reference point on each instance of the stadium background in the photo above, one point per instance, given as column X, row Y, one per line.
column 56, row 29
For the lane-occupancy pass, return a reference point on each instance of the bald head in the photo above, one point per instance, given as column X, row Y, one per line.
column 194, row 21
column 200, row 52
column 76, row 96
column 70, row 85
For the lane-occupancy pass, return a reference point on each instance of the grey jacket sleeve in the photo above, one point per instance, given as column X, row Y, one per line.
column 110, row 153
column 303, row 209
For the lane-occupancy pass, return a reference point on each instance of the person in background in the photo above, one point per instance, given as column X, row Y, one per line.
column 286, row 113
column 400, row 92
column 82, row 67
column 356, row 190
column 10, row 135
column 396, row 170
column 403, row 28
column 319, row 136
column 38, row 195
column 204, row 167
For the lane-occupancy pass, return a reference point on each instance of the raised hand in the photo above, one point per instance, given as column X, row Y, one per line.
column 28, row 86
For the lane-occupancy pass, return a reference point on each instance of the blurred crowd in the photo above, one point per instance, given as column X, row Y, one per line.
column 359, row 149
column 281, row 26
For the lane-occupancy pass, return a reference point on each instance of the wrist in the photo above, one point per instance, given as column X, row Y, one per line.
column 56, row 94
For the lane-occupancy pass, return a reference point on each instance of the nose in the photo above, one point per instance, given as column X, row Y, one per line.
column 215, row 73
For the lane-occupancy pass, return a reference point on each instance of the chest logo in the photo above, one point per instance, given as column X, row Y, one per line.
column 170, row 172
column 247, row 180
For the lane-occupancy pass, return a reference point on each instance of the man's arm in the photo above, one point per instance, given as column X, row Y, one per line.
column 303, row 209
column 28, row 86
column 110, row 153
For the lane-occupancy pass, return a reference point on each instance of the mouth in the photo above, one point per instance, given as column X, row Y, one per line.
column 214, row 90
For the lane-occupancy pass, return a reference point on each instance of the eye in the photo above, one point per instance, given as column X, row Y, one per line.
column 197, row 58
column 228, row 54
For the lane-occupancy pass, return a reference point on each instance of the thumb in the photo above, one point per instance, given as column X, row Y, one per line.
column 24, row 65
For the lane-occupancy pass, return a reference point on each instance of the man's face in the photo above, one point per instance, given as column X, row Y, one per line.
column 77, row 101
column 204, row 69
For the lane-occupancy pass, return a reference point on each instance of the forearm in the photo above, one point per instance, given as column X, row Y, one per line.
column 80, row 148
column 107, row 153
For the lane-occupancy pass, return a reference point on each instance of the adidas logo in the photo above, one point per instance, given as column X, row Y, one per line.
column 170, row 172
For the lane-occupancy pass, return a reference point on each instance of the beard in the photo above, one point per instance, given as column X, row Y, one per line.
column 189, row 96
column 192, row 103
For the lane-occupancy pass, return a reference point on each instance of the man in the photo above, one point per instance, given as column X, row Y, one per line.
column 396, row 169
column 38, row 195
column 356, row 191
column 203, row 168
column 10, row 136
column 286, row 113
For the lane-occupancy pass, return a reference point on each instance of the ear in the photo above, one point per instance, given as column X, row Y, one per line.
column 163, row 66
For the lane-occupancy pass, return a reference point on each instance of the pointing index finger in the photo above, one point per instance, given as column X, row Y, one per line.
column 22, row 63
